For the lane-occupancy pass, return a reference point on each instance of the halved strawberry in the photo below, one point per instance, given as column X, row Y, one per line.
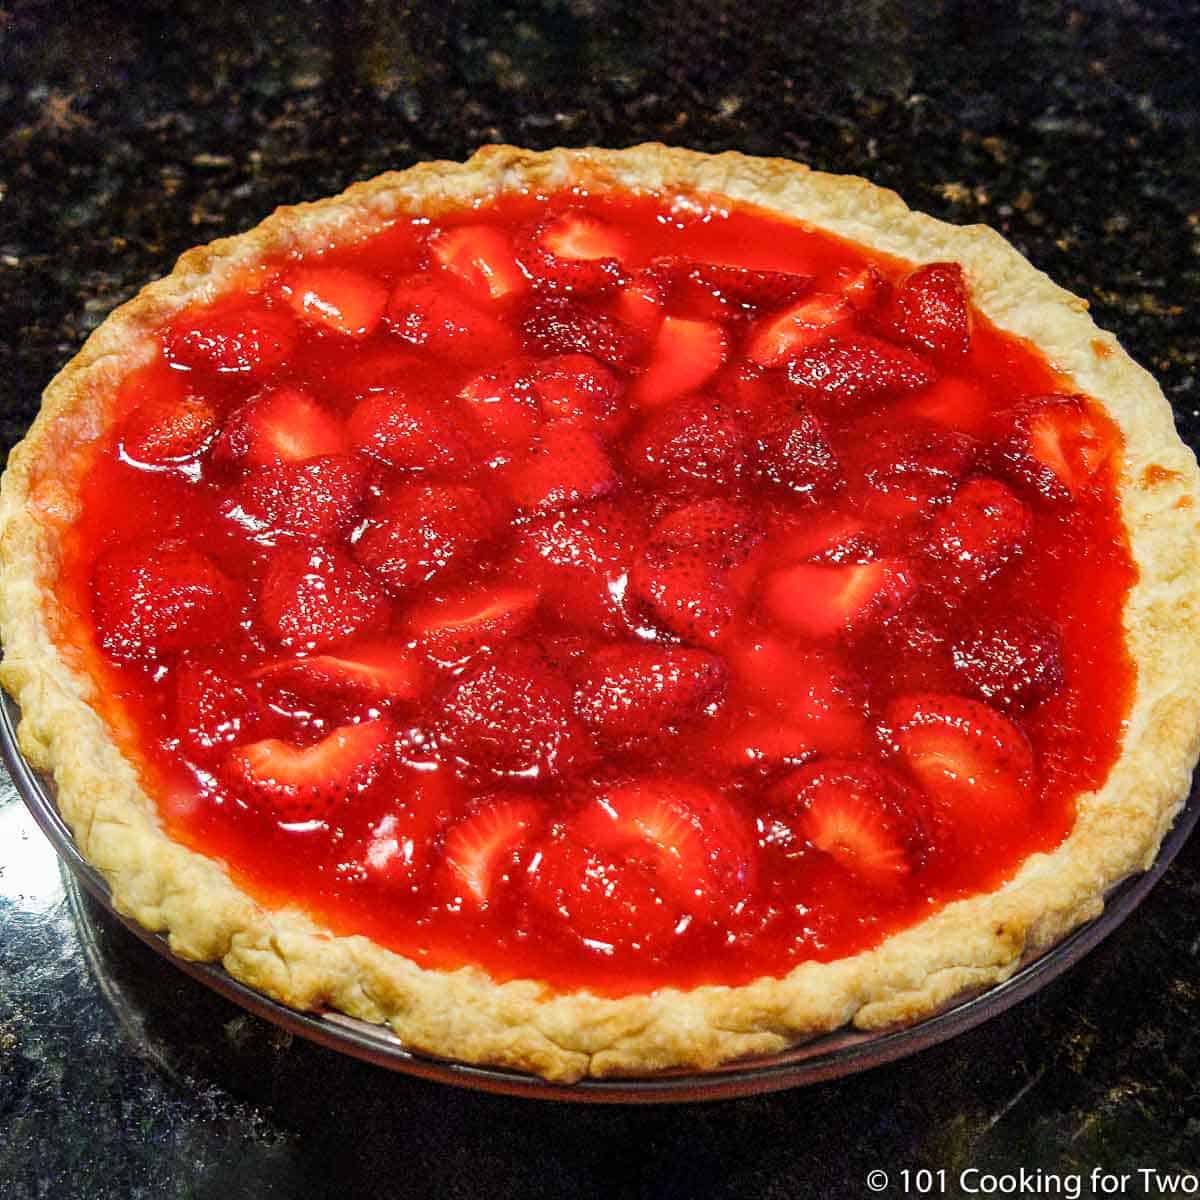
column 1013, row 663
column 502, row 403
column 156, row 596
column 686, row 595
column 859, row 814
column 454, row 625
column 826, row 536
column 686, row 355
column 309, row 783
column 909, row 470
column 232, row 337
column 415, row 531
column 480, row 850
column 864, row 287
column 379, row 669
column 211, row 707
column 930, row 310
column 857, row 369
column 424, row 312
column 482, row 257
column 402, row 844
column 582, row 559
column 1054, row 445
column 722, row 532
column 725, row 290
column 510, row 718
column 314, row 498
column 168, row 428
column 559, row 325
column 577, row 252
column 700, row 438
column 336, row 298
column 631, row 690
column 641, row 303
column 782, row 336
column 984, row 527
column 691, row 840
column 575, row 387
column 282, row 425
column 564, row 466
column 317, row 596
column 792, row 449
column 822, row 601
column 403, row 431
column 964, row 753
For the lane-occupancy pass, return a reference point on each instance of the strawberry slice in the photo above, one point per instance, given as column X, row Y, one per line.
column 577, row 388
column 828, row 536
column 232, row 337
column 782, row 336
column 155, row 597
column 857, row 369
column 413, row 531
column 375, row 367
column 452, row 626
column 510, row 718
column 211, row 708
column 964, row 753
column 576, row 252
column 564, row 466
column 560, row 325
column 503, row 405
column 864, row 287
column 1055, row 445
column 631, row 691
column 283, row 425
column 335, row 298
column 930, row 310
column 793, row 451
column 821, row 601
column 403, row 431
column 1013, row 664
column 376, row 669
column 315, row 498
column 984, row 528
column 481, row 850
column 685, row 356
column 482, row 258
column 316, row 596
column 168, row 429
column 860, row 815
column 423, row 312
column 298, row 784
column 723, row 290
column 699, row 438
column 722, row 531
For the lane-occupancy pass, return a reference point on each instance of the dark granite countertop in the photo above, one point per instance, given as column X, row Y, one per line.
column 130, row 132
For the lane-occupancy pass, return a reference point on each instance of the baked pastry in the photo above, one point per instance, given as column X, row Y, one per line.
column 600, row 612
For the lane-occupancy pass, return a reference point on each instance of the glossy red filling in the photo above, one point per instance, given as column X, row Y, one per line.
column 609, row 590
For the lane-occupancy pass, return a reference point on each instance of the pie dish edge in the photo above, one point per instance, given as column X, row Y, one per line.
column 966, row 947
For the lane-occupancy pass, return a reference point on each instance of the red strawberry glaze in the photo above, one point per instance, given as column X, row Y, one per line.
column 516, row 728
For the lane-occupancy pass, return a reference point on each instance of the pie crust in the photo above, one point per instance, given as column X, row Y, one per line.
column 964, row 948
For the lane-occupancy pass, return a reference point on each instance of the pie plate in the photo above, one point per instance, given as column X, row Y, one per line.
column 829, row 1057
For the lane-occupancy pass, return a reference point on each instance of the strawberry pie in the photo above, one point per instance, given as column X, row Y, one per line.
column 598, row 612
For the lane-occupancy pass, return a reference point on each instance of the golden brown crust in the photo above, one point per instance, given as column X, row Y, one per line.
column 968, row 946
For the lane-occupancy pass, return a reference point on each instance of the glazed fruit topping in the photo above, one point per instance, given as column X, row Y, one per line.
column 592, row 592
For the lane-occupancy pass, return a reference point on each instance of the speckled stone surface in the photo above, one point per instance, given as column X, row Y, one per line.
column 130, row 132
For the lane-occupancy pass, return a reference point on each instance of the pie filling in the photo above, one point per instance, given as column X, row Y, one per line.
column 619, row 591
